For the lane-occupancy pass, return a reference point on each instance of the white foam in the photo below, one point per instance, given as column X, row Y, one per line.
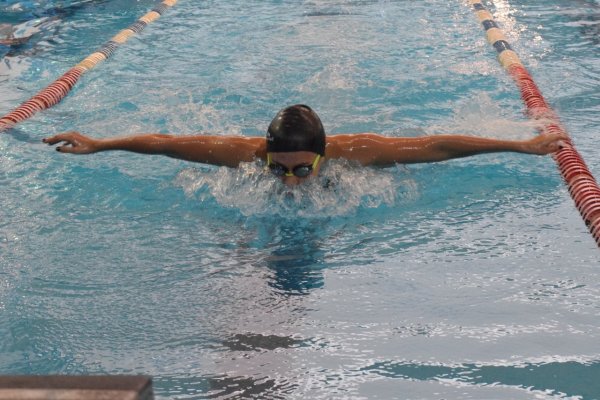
column 340, row 189
column 480, row 115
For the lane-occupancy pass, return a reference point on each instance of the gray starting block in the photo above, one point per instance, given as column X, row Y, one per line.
column 66, row 387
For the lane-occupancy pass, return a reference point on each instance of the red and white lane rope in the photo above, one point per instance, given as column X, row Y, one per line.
column 581, row 184
column 59, row 89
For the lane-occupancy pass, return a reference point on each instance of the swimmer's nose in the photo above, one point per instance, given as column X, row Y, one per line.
column 290, row 180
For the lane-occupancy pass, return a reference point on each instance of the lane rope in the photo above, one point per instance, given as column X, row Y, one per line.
column 60, row 88
column 581, row 183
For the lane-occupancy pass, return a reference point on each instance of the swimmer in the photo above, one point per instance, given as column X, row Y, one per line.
column 296, row 146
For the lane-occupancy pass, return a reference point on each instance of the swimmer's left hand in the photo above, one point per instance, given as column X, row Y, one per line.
column 547, row 143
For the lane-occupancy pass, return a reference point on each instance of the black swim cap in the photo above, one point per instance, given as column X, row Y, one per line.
column 296, row 128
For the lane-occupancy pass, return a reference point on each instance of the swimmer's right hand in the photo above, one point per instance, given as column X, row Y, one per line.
column 74, row 142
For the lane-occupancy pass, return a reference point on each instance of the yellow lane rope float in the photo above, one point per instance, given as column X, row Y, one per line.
column 59, row 89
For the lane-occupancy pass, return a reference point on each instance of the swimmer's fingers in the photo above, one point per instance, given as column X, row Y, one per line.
column 548, row 143
column 563, row 144
column 558, row 142
column 62, row 137
column 72, row 142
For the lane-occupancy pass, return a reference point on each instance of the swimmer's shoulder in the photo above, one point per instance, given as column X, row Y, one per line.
column 341, row 145
column 253, row 147
column 335, row 143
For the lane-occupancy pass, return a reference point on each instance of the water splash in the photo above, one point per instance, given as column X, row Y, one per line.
column 480, row 115
column 340, row 189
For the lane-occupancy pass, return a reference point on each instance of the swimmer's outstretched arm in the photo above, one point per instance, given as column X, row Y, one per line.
column 373, row 149
column 217, row 150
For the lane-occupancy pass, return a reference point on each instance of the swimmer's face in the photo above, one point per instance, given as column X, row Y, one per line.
column 285, row 164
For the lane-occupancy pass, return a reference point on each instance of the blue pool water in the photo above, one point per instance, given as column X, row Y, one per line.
column 467, row 279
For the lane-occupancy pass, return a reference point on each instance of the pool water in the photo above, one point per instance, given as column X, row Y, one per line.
column 467, row 279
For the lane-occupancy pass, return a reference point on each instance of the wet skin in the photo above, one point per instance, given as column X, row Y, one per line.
column 364, row 148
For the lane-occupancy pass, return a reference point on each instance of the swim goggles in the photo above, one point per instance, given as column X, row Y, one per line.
column 301, row 171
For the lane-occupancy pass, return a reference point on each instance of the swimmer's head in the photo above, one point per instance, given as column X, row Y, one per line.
column 296, row 128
